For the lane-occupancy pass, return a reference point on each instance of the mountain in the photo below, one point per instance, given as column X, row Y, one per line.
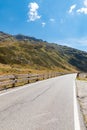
column 6, row 37
column 21, row 37
column 38, row 54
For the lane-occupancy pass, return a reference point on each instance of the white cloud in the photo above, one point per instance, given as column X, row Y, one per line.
column 82, row 10
column 85, row 3
column 72, row 8
column 52, row 20
column 43, row 24
column 33, row 13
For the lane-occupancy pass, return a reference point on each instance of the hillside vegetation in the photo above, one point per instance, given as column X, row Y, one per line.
column 27, row 54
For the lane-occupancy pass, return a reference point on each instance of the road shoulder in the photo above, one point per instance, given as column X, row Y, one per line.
column 82, row 102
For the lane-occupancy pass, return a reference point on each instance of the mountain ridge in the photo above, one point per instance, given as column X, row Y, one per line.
column 38, row 54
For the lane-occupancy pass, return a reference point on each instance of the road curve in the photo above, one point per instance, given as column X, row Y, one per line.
column 44, row 105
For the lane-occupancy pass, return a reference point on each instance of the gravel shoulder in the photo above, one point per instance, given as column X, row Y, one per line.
column 82, row 99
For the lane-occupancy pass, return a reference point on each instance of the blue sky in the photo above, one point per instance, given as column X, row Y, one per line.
column 63, row 22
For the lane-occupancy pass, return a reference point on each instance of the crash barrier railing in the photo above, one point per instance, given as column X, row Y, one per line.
column 81, row 75
column 9, row 81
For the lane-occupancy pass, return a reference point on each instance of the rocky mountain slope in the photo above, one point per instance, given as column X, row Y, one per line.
column 36, row 53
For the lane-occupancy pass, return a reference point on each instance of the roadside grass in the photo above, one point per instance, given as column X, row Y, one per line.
column 25, row 69
column 85, row 119
column 18, row 69
column 80, row 78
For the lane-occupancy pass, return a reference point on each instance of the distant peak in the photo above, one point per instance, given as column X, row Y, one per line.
column 27, row 38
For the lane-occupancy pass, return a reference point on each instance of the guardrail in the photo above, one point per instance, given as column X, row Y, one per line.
column 9, row 81
column 82, row 75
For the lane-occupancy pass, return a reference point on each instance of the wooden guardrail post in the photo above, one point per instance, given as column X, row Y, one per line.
column 7, row 81
column 78, row 75
column 43, row 76
column 14, row 81
column 28, row 78
column 48, row 76
column 37, row 79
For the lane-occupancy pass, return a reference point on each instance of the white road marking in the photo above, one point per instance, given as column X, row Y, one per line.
column 76, row 114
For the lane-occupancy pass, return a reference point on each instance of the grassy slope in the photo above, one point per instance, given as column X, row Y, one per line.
column 32, row 55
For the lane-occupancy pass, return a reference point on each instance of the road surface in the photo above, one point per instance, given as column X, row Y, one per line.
column 44, row 105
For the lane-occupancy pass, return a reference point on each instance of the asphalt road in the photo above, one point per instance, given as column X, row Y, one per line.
column 44, row 105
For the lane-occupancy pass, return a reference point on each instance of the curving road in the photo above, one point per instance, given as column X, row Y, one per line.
column 44, row 105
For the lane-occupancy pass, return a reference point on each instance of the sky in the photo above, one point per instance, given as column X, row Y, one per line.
column 60, row 21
